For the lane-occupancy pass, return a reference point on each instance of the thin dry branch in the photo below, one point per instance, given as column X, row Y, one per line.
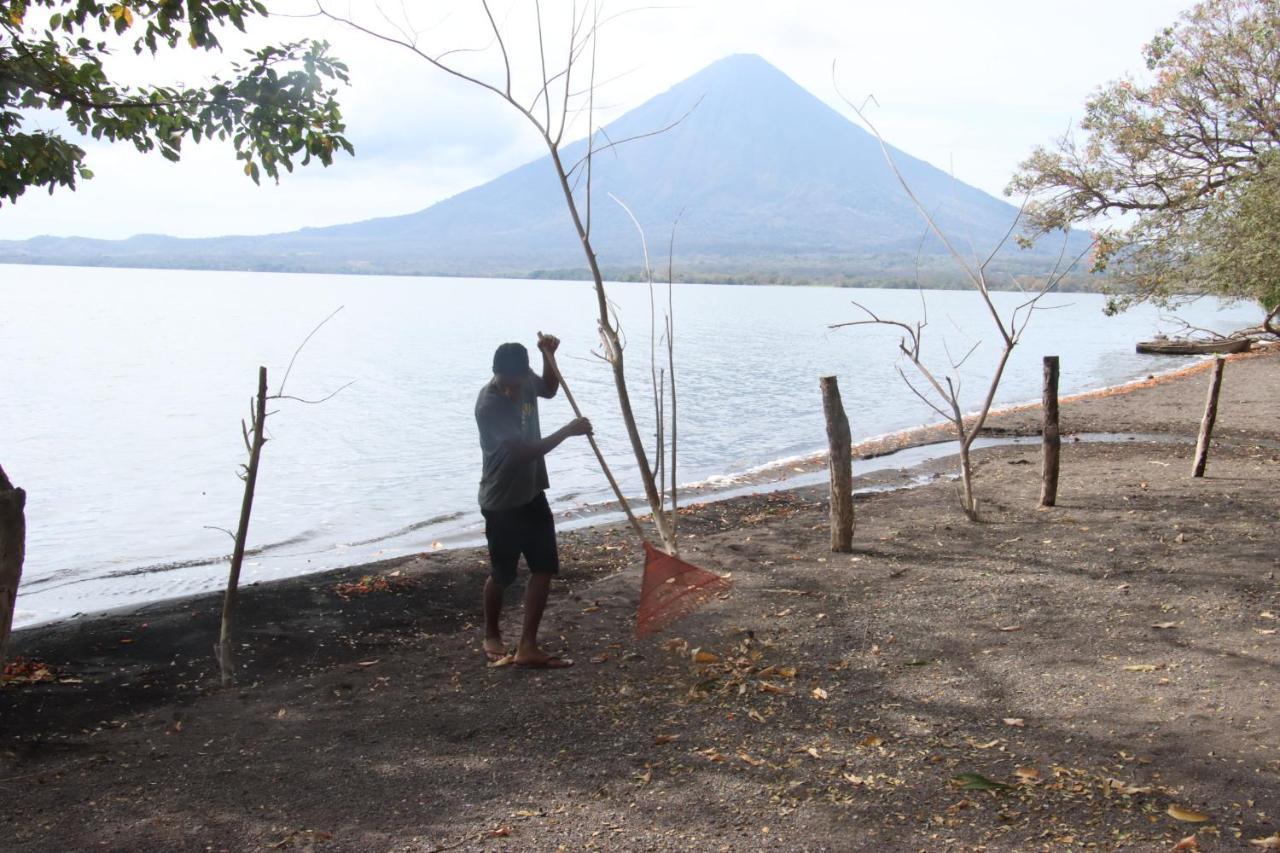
column 323, row 399
column 309, row 336
column 615, row 144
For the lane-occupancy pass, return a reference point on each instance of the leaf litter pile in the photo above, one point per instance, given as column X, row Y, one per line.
column 1098, row 676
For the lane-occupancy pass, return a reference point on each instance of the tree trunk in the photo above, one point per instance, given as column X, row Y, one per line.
column 841, row 467
column 13, row 544
column 222, row 650
column 968, row 502
column 1210, row 415
column 1052, row 437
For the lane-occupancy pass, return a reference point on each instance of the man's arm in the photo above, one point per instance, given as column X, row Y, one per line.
column 527, row 451
column 550, row 379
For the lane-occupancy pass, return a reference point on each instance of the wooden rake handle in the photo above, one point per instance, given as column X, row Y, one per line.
column 604, row 466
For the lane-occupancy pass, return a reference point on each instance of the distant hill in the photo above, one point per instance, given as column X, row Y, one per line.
column 769, row 182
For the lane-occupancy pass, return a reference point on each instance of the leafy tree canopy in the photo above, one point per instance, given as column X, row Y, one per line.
column 1188, row 160
column 273, row 105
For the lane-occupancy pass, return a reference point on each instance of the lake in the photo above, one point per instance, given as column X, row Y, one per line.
column 123, row 391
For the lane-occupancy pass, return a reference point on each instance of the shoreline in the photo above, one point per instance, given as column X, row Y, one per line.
column 1105, row 662
column 761, row 479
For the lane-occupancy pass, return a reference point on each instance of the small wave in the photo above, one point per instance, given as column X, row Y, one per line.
column 195, row 562
column 407, row 529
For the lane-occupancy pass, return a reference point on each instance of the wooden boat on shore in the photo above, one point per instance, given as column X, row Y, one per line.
column 1183, row 346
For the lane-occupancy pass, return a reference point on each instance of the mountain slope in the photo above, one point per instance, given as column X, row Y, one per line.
column 765, row 177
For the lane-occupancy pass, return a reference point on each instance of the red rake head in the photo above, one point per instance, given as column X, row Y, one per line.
column 672, row 589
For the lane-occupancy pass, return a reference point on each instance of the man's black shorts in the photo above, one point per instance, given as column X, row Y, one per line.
column 528, row 530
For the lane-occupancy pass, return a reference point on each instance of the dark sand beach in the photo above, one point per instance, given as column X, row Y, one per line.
column 1108, row 668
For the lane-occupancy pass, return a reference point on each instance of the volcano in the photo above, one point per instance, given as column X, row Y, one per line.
column 767, row 181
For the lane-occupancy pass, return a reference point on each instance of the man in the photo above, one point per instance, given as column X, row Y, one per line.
column 513, row 497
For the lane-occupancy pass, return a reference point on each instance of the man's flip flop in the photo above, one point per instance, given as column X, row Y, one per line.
column 550, row 663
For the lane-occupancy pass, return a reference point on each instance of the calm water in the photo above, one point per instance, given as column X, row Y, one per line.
column 122, row 393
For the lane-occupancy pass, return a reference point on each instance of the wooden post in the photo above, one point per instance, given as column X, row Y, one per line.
column 222, row 650
column 841, row 466
column 1210, row 415
column 1052, row 437
column 13, row 544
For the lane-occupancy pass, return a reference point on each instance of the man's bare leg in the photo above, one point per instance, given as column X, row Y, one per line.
column 493, row 647
column 535, row 601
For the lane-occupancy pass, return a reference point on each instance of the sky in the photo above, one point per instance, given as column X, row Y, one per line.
column 970, row 87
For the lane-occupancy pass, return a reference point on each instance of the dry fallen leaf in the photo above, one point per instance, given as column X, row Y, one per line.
column 1121, row 787
column 1143, row 667
column 1011, row 628
column 871, row 740
column 1016, row 722
column 973, row 742
column 755, row 715
column 768, row 687
column 812, row 752
column 1188, row 843
column 1028, row 774
column 661, row 739
column 281, row 713
column 819, row 693
column 700, row 656
column 505, row 660
column 1164, row 626
column 1266, row 632
column 367, row 663
column 500, row 832
column 754, row 762
column 1189, row 815
column 1271, row 842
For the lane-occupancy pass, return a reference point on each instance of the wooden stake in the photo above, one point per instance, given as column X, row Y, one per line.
column 841, row 467
column 13, row 543
column 1210, row 415
column 1052, row 437
column 223, row 649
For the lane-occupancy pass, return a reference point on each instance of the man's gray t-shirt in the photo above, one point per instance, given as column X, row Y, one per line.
column 506, row 483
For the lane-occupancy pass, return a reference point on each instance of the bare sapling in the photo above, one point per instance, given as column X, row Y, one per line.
column 941, row 387
column 254, row 435
column 258, row 419
column 557, row 94
column 13, row 544
column 1210, row 417
column 840, row 462
column 665, row 437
